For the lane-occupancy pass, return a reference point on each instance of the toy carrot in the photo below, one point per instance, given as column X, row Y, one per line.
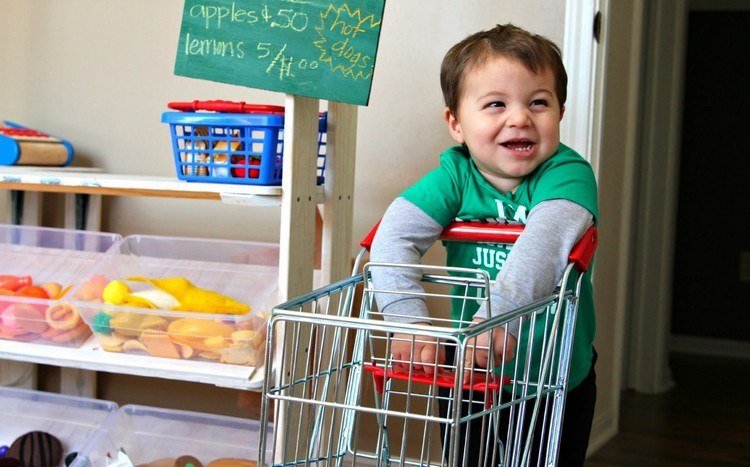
column 13, row 283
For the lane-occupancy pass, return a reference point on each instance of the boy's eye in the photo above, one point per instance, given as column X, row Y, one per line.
column 542, row 102
column 496, row 104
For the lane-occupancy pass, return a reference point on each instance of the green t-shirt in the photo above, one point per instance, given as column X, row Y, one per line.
column 457, row 191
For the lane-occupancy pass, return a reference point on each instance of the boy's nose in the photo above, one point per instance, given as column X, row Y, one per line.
column 518, row 117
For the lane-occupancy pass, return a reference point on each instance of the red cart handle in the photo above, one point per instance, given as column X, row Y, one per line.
column 443, row 380
column 227, row 107
column 580, row 256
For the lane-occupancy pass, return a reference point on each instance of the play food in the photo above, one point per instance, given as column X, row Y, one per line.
column 182, row 298
column 192, row 298
column 38, row 266
column 13, row 283
column 36, row 448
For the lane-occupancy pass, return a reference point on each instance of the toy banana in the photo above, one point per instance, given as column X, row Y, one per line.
column 173, row 293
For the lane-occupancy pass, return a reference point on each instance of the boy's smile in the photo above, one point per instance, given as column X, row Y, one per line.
column 509, row 118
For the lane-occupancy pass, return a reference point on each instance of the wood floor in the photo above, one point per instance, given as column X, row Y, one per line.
column 703, row 420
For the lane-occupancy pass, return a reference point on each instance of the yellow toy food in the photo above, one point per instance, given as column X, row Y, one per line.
column 193, row 298
column 173, row 293
column 194, row 332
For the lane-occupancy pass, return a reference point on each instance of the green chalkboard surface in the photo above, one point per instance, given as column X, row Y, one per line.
column 315, row 48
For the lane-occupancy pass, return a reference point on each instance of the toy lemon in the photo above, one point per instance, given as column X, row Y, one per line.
column 194, row 332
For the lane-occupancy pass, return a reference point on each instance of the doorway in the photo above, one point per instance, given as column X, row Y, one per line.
column 667, row 265
column 711, row 288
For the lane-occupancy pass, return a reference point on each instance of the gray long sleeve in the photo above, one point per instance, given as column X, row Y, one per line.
column 533, row 267
column 536, row 262
column 404, row 236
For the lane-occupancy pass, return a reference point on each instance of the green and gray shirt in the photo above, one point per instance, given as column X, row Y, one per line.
column 556, row 202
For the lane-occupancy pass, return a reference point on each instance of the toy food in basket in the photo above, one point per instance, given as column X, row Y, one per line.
column 184, row 299
column 37, row 268
column 227, row 331
column 31, row 312
column 232, row 142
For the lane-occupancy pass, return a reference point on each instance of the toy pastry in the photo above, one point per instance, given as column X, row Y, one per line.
column 194, row 332
column 37, row 449
column 159, row 344
column 62, row 316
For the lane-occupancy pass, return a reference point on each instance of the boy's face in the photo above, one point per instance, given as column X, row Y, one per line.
column 509, row 118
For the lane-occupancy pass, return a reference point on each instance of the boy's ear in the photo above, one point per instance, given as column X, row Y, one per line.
column 562, row 112
column 454, row 127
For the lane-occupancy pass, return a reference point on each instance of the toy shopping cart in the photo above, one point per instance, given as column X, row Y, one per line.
column 339, row 396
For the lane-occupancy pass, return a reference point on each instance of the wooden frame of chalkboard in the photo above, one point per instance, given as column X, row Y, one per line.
column 324, row 49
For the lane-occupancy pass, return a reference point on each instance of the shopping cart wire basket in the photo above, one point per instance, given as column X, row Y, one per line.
column 338, row 396
column 233, row 142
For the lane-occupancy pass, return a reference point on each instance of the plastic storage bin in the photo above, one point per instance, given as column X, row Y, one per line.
column 148, row 434
column 72, row 420
column 37, row 267
column 236, row 143
column 202, row 329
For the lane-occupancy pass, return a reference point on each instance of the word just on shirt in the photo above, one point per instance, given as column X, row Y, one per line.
column 494, row 256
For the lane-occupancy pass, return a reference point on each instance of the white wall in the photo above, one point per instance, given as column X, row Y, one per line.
column 99, row 73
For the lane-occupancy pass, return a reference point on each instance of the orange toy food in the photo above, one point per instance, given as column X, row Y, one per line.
column 193, row 332
column 159, row 344
column 92, row 289
column 62, row 316
column 14, row 283
column 53, row 289
column 33, row 291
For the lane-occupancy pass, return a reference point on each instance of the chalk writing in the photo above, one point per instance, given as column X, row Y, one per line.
column 315, row 48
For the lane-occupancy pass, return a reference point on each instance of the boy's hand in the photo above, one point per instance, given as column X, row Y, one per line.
column 427, row 353
column 503, row 347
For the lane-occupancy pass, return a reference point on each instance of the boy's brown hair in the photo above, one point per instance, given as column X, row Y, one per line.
column 535, row 52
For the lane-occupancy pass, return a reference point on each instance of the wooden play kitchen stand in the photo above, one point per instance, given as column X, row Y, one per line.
column 283, row 46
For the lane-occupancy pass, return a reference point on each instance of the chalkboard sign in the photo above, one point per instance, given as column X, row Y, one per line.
column 316, row 48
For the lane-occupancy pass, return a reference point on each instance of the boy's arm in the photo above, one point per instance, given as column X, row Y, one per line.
column 536, row 262
column 404, row 236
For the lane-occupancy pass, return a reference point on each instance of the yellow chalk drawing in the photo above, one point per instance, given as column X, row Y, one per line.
column 339, row 27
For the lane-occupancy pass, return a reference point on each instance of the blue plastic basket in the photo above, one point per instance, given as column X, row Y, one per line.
column 238, row 148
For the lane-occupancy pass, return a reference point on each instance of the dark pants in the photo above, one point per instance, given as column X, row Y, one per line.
column 576, row 426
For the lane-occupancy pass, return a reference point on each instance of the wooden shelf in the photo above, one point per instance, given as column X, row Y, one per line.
column 93, row 182
column 91, row 357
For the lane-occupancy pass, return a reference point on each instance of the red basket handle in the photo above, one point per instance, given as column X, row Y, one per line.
column 580, row 255
column 227, row 107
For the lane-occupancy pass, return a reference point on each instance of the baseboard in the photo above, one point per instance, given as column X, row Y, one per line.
column 709, row 346
column 603, row 429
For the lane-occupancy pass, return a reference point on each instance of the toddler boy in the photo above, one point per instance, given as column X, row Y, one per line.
column 504, row 91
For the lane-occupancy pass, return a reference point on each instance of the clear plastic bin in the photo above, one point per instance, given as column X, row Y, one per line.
column 37, row 268
column 184, row 323
column 72, row 420
column 147, row 434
